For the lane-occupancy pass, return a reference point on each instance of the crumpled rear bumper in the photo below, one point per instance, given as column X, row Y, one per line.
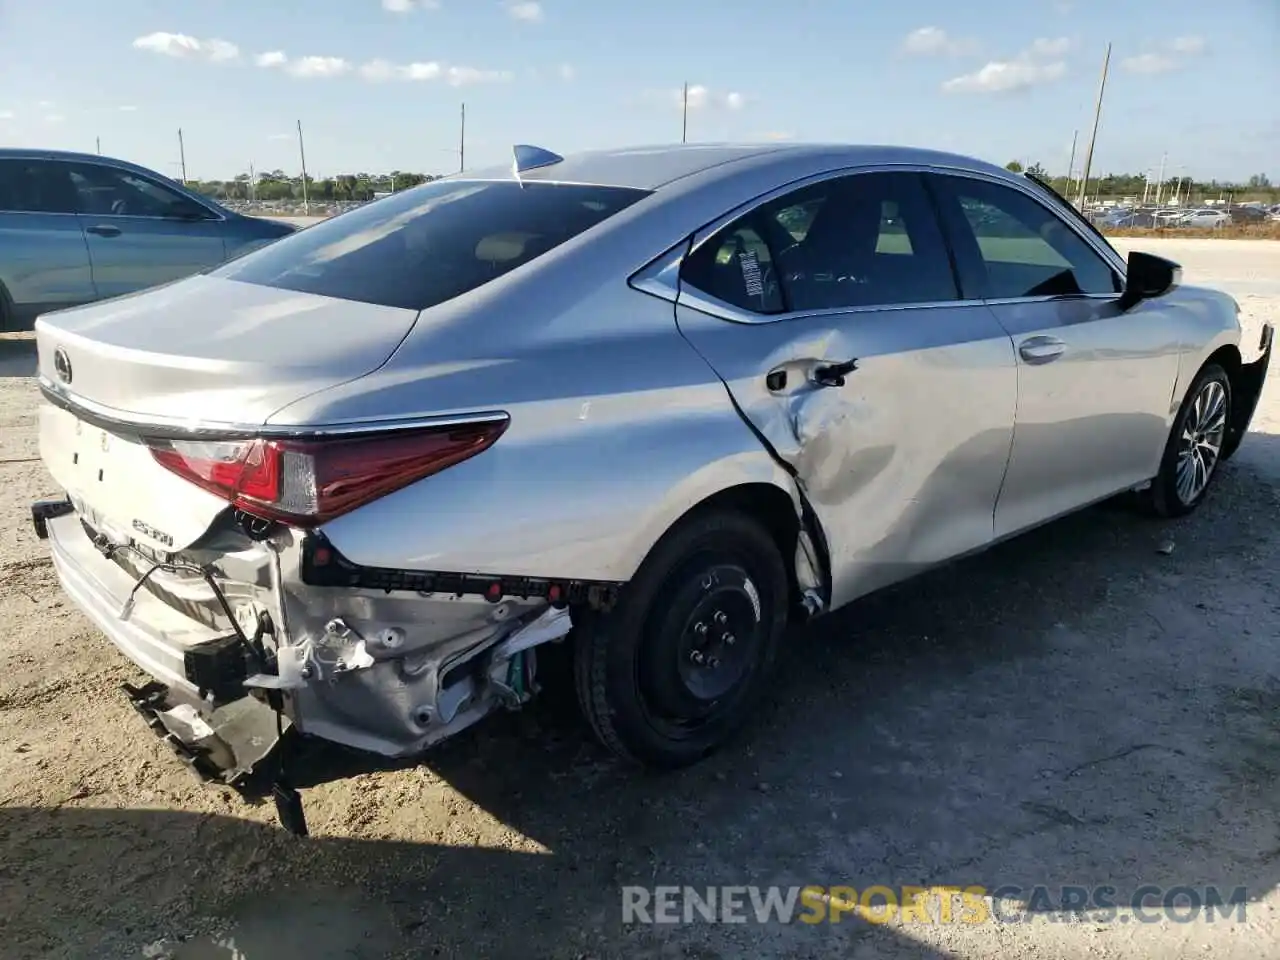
column 222, row 742
column 382, row 670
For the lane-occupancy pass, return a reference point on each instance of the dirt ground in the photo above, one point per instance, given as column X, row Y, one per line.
column 1097, row 702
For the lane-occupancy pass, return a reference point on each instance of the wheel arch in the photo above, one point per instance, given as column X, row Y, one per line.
column 1244, row 393
column 785, row 516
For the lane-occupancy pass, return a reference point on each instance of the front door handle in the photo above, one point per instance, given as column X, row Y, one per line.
column 1041, row 349
column 833, row 374
column 103, row 230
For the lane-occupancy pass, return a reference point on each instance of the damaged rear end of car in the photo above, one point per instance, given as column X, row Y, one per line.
column 347, row 486
column 207, row 567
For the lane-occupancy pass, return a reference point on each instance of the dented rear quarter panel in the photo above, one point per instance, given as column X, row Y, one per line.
column 617, row 428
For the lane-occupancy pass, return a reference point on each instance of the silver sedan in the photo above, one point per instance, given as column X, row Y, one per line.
column 634, row 411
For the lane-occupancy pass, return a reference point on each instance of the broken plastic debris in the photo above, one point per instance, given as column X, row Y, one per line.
column 188, row 715
column 551, row 624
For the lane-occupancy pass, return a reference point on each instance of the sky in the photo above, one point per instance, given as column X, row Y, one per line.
column 379, row 84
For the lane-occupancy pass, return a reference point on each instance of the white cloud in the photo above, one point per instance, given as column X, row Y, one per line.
column 183, row 46
column 405, row 6
column 567, row 72
column 702, row 97
column 377, row 71
column 44, row 104
column 1149, row 63
column 281, row 136
column 309, row 68
column 421, row 71
column 778, row 135
column 128, row 108
column 1038, row 64
column 1173, row 56
column 465, row 76
column 381, row 71
column 1006, row 76
column 528, row 10
column 54, row 118
column 6, row 115
column 931, row 41
column 1049, row 47
column 273, row 58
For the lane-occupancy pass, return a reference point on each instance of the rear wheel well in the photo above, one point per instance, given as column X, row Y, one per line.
column 773, row 508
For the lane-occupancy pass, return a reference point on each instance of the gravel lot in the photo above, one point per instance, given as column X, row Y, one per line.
column 1095, row 703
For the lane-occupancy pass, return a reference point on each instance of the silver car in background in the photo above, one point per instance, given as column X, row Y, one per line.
column 642, row 408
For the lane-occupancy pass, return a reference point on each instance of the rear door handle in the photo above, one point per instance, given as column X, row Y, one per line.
column 103, row 230
column 1041, row 349
column 833, row 374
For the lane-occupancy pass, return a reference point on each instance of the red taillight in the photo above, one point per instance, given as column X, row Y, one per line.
column 306, row 482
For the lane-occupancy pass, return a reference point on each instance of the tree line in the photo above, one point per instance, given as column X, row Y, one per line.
column 1257, row 187
column 276, row 185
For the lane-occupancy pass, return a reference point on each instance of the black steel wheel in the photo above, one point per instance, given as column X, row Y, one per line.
column 676, row 669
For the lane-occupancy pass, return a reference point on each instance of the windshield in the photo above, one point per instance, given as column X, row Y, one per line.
column 424, row 246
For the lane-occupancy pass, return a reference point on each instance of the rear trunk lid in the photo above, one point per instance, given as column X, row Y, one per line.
column 209, row 349
column 202, row 352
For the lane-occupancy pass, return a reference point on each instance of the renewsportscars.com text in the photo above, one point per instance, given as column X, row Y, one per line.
column 970, row 904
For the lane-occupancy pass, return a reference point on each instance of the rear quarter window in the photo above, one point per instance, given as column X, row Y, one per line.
column 432, row 243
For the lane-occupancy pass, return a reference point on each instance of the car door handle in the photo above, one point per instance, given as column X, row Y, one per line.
column 1041, row 349
column 833, row 374
column 103, row 230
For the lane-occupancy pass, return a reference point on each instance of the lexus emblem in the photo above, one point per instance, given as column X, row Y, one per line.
column 62, row 365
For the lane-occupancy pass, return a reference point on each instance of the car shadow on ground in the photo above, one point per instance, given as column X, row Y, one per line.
column 1096, row 702
column 17, row 357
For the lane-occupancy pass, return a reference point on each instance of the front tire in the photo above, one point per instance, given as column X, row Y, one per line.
column 679, row 665
column 1195, row 447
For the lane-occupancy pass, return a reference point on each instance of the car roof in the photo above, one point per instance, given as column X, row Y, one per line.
column 653, row 167
column 23, row 153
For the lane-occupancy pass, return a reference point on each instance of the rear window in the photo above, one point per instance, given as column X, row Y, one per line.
column 429, row 244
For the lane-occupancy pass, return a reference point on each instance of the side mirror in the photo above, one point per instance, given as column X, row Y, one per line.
column 1148, row 276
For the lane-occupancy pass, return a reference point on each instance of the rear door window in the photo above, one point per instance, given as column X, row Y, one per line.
column 432, row 243
column 107, row 191
column 863, row 240
column 36, row 186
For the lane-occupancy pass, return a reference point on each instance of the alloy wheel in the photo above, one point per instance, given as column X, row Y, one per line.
column 1200, row 445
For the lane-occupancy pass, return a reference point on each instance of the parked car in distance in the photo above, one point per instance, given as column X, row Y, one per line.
column 75, row 228
column 1205, row 218
column 652, row 403
column 1247, row 213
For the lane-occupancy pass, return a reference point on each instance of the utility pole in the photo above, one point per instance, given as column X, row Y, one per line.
column 182, row 156
column 684, row 119
column 98, row 140
column 462, row 141
column 302, row 152
column 1071, row 164
column 253, row 184
column 1160, row 177
column 1097, row 115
